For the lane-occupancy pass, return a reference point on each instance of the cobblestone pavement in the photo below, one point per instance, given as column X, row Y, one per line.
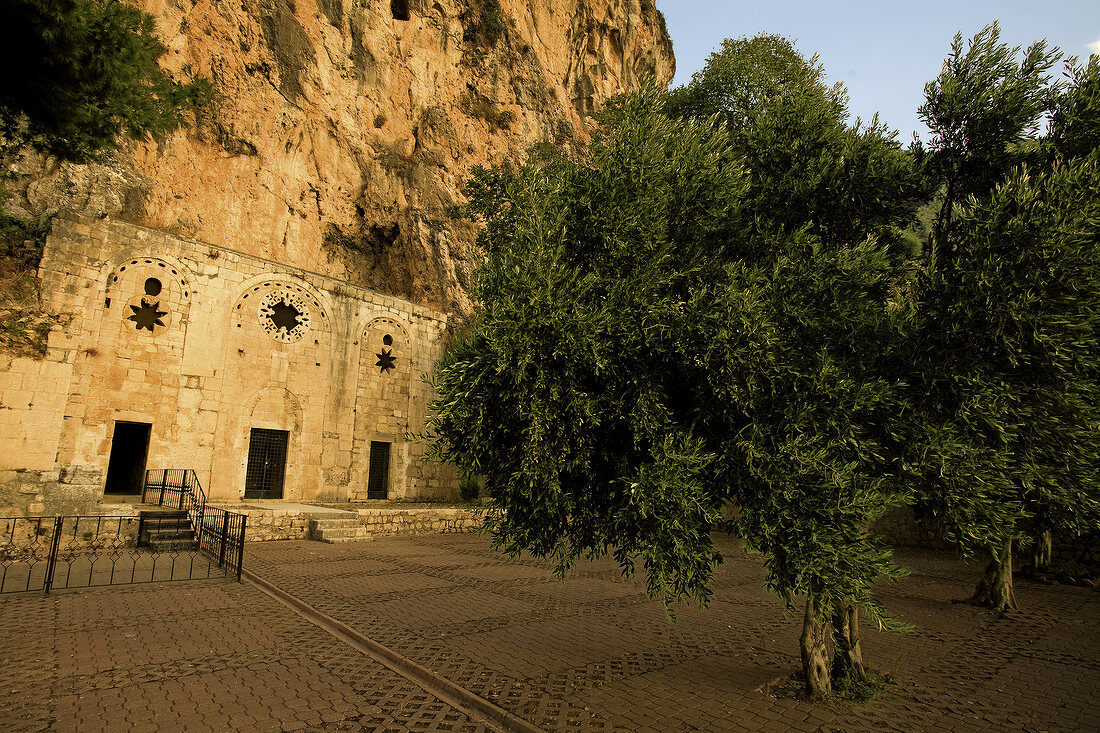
column 592, row 653
column 194, row 656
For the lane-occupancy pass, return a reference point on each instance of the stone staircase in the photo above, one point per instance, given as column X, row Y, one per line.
column 337, row 531
column 166, row 530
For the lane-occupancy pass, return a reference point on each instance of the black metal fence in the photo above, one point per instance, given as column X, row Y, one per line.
column 190, row 541
column 177, row 488
column 221, row 537
column 43, row 553
column 218, row 533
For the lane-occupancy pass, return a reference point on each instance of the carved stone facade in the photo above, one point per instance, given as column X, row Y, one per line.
column 269, row 382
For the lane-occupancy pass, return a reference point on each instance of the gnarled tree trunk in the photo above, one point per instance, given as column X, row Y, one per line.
column 1042, row 551
column 995, row 590
column 847, row 650
column 815, row 653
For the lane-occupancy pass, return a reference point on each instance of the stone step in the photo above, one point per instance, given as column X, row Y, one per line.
column 173, row 545
column 341, row 540
column 337, row 530
column 336, row 522
column 182, row 533
column 167, row 530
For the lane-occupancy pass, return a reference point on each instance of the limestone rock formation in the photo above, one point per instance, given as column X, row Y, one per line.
column 341, row 131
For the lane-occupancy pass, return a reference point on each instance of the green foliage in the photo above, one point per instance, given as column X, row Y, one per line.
column 23, row 241
column 984, row 106
column 1071, row 571
column 1007, row 369
column 750, row 76
column 1075, row 118
column 469, row 488
column 24, row 327
column 87, row 72
column 485, row 25
column 1012, row 362
column 679, row 322
column 815, row 386
column 572, row 395
column 808, row 167
column 864, row 690
column 477, row 106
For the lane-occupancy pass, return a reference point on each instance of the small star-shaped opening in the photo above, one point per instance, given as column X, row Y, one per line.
column 385, row 359
column 147, row 314
column 284, row 315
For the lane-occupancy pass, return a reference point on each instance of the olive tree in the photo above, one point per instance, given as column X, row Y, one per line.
column 659, row 335
column 1006, row 368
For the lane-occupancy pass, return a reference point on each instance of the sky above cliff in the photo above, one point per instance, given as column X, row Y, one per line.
column 884, row 52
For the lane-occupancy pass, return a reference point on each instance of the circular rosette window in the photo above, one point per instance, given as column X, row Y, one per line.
column 284, row 315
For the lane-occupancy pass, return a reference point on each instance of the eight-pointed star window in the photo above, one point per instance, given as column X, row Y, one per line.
column 147, row 315
column 385, row 360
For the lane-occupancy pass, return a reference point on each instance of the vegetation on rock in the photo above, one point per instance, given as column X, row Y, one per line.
column 88, row 73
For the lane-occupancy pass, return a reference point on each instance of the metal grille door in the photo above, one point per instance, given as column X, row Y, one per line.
column 378, row 479
column 266, row 464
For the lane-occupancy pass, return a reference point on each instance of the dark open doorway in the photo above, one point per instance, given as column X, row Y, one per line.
column 129, row 451
column 378, row 478
column 263, row 479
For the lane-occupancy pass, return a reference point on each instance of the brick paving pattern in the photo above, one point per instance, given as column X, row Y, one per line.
column 195, row 656
column 592, row 653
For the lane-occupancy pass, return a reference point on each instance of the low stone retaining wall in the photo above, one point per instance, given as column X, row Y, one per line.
column 901, row 528
column 273, row 524
column 418, row 520
column 293, row 523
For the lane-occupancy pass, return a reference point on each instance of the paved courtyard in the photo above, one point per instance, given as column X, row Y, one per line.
column 592, row 653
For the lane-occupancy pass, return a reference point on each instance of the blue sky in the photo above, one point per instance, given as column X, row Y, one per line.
column 883, row 51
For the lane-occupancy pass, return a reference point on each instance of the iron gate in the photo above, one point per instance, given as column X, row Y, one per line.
column 378, row 478
column 263, row 479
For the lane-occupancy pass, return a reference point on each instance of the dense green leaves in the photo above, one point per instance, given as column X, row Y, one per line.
column 573, row 393
column 1012, row 368
column 702, row 312
column 808, row 167
column 718, row 308
column 87, row 72
column 1007, row 360
column 983, row 108
column 1075, row 117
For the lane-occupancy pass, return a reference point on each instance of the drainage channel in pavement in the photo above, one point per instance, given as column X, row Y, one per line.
column 442, row 688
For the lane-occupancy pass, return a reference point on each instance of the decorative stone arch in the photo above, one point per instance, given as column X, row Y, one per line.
column 275, row 406
column 169, row 267
column 150, row 293
column 385, row 348
column 274, row 409
column 284, row 307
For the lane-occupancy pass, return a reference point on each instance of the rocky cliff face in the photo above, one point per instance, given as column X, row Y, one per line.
column 341, row 130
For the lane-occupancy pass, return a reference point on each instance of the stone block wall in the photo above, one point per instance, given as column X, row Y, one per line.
column 202, row 346
column 901, row 529
column 380, row 521
column 264, row 525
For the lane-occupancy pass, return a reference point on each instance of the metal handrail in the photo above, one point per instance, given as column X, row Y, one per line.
column 182, row 488
column 73, row 551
